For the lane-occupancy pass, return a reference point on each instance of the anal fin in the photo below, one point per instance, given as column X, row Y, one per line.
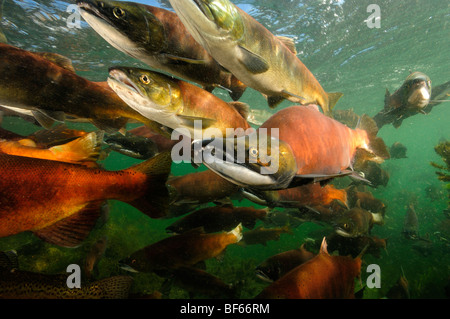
column 72, row 230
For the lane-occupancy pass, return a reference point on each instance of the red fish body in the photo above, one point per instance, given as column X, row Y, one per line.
column 36, row 194
column 321, row 145
column 322, row 277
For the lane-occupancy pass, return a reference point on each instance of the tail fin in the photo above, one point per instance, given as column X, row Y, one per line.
column 86, row 148
column 237, row 232
column 237, row 88
column 333, row 98
column 377, row 150
column 155, row 201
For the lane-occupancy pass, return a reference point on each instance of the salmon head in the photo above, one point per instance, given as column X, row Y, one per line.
column 127, row 26
column 418, row 90
column 154, row 95
column 255, row 160
column 208, row 19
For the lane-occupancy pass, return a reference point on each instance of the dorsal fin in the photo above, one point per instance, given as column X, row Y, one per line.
column 288, row 42
column 323, row 247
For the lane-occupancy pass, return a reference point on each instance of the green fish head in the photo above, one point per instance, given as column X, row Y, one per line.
column 136, row 262
column 256, row 160
column 351, row 224
column 125, row 25
column 418, row 90
column 223, row 14
column 142, row 88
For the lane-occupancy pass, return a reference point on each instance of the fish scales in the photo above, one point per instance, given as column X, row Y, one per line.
column 321, row 145
column 33, row 199
column 322, row 277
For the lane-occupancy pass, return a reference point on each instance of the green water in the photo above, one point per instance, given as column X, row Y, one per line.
column 345, row 55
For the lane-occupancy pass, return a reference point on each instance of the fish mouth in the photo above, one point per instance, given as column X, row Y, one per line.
column 89, row 7
column 227, row 165
column 256, row 160
column 420, row 97
column 107, row 29
column 120, row 78
column 127, row 268
column 342, row 232
column 253, row 196
column 263, row 276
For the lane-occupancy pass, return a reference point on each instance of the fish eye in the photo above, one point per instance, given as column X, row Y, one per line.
column 144, row 79
column 133, row 261
column 253, row 151
column 118, row 12
column 345, row 226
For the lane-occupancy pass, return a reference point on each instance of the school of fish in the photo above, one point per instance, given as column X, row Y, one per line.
column 293, row 163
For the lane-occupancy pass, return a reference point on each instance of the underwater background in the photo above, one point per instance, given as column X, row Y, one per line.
column 345, row 55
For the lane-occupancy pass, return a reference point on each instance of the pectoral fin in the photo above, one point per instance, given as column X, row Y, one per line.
column 189, row 121
column 72, row 230
column 253, row 62
column 273, row 101
column 46, row 119
column 289, row 95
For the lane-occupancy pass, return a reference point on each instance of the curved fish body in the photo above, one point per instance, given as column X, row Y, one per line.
column 306, row 195
column 162, row 142
column 51, row 90
column 357, row 222
column 262, row 235
column 175, row 103
column 366, row 201
column 19, row 284
column 411, row 98
column 199, row 282
column 132, row 145
column 158, row 38
column 182, row 250
column 251, row 52
column 322, row 277
column 85, row 148
column 218, row 218
column 295, row 146
column 276, row 266
column 354, row 245
column 411, row 223
column 208, row 187
column 34, row 195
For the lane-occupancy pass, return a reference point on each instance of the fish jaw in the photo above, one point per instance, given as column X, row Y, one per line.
column 234, row 159
column 128, row 89
column 419, row 90
column 420, row 97
column 98, row 19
